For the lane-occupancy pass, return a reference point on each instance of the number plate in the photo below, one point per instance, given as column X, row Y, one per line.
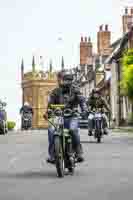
column 98, row 115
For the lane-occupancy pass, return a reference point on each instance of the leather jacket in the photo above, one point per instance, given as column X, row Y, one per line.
column 72, row 98
column 26, row 109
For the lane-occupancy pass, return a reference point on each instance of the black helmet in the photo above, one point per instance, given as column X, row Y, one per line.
column 67, row 78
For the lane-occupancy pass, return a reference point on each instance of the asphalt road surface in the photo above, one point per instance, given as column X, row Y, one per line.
column 106, row 174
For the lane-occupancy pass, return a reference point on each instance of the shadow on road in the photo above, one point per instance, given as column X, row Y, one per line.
column 89, row 142
column 30, row 175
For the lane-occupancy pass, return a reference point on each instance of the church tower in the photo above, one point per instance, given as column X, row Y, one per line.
column 36, row 86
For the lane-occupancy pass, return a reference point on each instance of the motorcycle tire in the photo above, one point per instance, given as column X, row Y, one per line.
column 71, row 166
column 71, row 161
column 59, row 160
column 98, row 137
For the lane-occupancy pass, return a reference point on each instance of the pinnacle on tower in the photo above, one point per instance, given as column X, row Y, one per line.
column 22, row 69
column 62, row 64
column 50, row 66
column 33, row 64
column 22, row 65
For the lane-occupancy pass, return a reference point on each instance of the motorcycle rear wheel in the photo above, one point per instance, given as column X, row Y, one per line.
column 98, row 137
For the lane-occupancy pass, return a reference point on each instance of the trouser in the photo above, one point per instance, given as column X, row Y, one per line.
column 91, row 122
column 69, row 123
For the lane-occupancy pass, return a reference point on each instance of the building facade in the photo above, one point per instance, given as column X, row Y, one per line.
column 120, row 104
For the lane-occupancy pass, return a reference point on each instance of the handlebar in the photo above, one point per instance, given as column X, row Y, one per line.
column 57, row 106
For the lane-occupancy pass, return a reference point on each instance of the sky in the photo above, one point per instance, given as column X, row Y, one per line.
column 48, row 28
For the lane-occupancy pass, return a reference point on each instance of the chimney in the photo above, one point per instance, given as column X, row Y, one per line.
column 101, row 28
column 89, row 39
column 127, row 20
column 82, row 39
column 85, row 39
column 85, row 51
column 103, row 41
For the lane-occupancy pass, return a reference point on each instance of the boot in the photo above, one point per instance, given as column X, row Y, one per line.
column 106, row 131
column 79, row 154
column 50, row 160
column 90, row 133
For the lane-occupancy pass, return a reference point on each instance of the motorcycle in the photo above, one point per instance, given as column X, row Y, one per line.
column 97, row 118
column 65, row 157
column 3, row 126
column 26, row 120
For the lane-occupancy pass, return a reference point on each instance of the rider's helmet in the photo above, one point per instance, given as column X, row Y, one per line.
column 65, row 79
column 26, row 103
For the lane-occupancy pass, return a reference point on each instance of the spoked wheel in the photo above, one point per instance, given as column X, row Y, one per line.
column 99, row 137
column 71, row 160
column 71, row 165
column 59, row 161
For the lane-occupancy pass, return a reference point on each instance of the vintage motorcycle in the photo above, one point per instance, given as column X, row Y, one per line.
column 96, row 116
column 3, row 124
column 65, row 157
column 26, row 120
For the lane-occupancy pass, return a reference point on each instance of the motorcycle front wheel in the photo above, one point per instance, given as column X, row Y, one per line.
column 59, row 160
column 98, row 136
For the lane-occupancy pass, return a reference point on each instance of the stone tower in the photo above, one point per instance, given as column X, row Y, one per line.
column 86, row 54
column 36, row 86
column 103, row 41
column 127, row 19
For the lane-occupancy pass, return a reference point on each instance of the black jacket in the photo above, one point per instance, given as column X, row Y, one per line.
column 26, row 109
column 72, row 98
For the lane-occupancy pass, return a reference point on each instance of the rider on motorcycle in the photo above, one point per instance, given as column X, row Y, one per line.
column 68, row 94
column 97, row 101
column 26, row 108
column 3, row 114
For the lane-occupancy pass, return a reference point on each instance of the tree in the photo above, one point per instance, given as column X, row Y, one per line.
column 127, row 75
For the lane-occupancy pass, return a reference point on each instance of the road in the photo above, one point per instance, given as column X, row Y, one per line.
column 106, row 174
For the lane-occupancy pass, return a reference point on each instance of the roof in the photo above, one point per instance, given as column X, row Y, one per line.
column 118, row 47
column 114, row 44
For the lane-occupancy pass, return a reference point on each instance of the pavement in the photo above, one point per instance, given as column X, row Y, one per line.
column 106, row 174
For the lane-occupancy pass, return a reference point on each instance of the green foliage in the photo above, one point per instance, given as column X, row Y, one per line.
column 11, row 125
column 130, row 118
column 127, row 74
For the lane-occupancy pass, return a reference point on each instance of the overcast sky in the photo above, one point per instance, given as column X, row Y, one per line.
column 33, row 27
